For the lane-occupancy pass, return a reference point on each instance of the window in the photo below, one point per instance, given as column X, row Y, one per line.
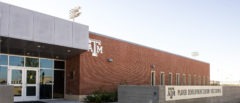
column 32, row 62
column 3, row 60
column 3, row 69
column 189, row 79
column 59, row 64
column 170, row 79
column 31, row 77
column 46, row 63
column 207, row 81
column 31, row 91
column 199, row 80
column 3, row 75
column 16, row 61
column 184, row 79
column 204, row 81
column 46, row 78
column 152, row 77
column 177, row 79
column 50, row 74
column 58, row 91
column 195, row 79
column 162, row 78
column 17, row 90
column 51, row 78
column 16, row 77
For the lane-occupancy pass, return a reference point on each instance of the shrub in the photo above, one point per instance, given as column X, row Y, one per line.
column 100, row 96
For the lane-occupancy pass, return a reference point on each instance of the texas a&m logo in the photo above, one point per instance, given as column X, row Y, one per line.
column 171, row 92
column 95, row 47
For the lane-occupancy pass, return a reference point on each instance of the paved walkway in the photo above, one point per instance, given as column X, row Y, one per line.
column 54, row 101
column 64, row 101
column 61, row 101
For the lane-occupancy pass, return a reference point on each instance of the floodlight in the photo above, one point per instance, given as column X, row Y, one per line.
column 73, row 13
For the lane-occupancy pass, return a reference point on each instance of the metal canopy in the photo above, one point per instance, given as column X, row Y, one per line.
column 30, row 48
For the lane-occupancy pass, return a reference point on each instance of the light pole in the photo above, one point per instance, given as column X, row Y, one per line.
column 195, row 54
column 73, row 13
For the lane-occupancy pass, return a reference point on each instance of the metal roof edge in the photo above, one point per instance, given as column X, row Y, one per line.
column 145, row 46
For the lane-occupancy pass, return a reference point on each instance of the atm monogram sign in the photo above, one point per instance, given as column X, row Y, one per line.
column 189, row 92
column 95, row 47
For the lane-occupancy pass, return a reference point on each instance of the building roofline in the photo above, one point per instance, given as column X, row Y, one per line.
column 41, row 13
column 145, row 46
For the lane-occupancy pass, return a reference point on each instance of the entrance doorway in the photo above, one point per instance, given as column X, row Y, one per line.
column 33, row 78
column 25, row 82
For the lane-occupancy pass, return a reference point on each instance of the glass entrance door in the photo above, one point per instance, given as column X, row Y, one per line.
column 25, row 82
column 31, row 86
column 33, row 78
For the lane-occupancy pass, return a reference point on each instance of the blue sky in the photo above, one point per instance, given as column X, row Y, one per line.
column 210, row 27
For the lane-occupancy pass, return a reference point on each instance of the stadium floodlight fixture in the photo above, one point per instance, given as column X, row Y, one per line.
column 73, row 13
column 195, row 54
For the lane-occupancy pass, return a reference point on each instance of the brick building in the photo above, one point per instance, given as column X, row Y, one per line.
column 123, row 62
column 45, row 57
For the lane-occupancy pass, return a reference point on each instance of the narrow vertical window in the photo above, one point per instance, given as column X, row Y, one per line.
column 162, row 78
column 195, row 79
column 170, row 79
column 46, row 78
column 199, row 80
column 177, row 79
column 3, row 69
column 59, row 66
column 184, row 79
column 189, row 79
column 3, row 75
column 204, row 81
column 208, row 80
column 152, row 78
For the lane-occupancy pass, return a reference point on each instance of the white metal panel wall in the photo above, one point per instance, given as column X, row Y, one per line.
column 20, row 23
column 82, row 30
column 4, row 18
column 43, row 28
column 63, row 32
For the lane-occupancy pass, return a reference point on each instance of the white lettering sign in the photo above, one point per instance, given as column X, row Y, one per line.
column 188, row 92
column 95, row 47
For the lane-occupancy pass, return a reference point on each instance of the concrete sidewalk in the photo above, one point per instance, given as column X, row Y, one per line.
column 61, row 101
column 64, row 101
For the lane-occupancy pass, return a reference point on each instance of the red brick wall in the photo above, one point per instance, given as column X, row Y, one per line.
column 131, row 65
column 73, row 75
